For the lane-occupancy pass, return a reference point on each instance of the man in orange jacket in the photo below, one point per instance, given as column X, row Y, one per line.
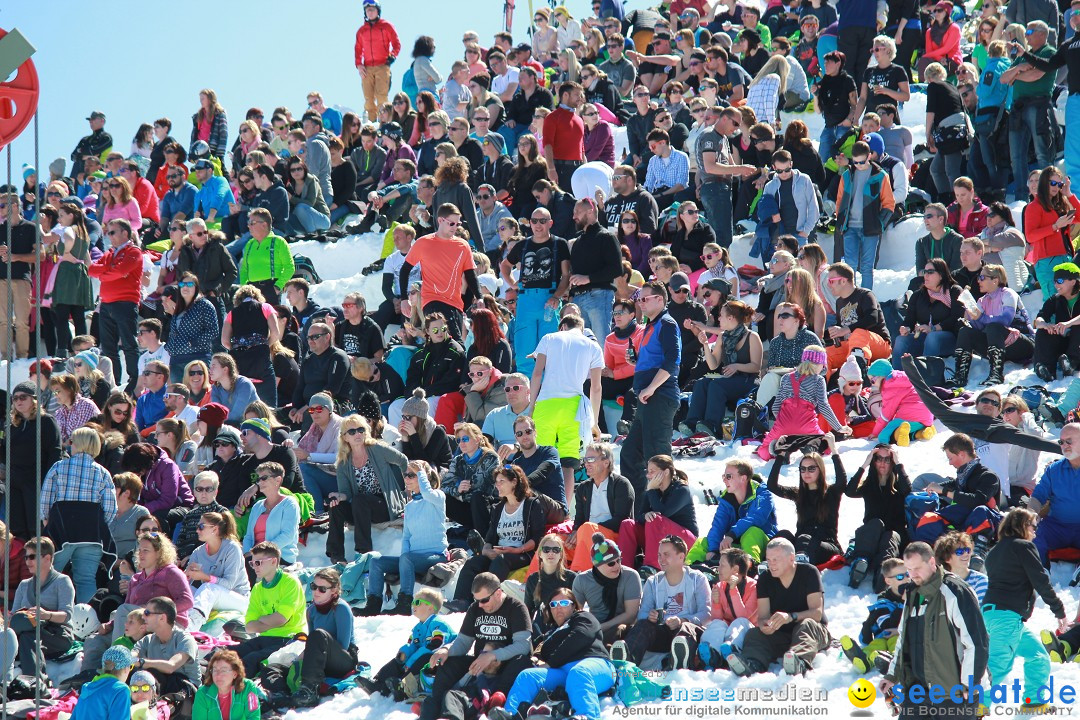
column 377, row 46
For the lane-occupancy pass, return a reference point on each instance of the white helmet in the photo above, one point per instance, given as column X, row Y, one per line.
column 84, row 621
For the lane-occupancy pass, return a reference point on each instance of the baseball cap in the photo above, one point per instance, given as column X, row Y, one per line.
column 96, row 115
column 203, row 165
column 678, row 281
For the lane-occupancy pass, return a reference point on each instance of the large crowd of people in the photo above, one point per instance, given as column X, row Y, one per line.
column 510, row 415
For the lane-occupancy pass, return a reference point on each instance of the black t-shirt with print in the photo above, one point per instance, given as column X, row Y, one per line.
column 890, row 78
column 541, row 263
column 361, row 340
column 807, row 581
column 496, row 627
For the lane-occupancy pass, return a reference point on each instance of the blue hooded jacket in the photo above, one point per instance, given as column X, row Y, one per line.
column 105, row 698
column 755, row 511
column 427, row 637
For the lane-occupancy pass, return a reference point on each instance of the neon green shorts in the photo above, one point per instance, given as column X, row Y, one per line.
column 557, row 424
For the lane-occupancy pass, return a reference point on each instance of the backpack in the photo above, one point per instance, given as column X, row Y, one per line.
column 305, row 269
column 918, row 504
column 749, row 420
column 408, row 84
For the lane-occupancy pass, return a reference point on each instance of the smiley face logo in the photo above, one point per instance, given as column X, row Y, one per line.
column 862, row 693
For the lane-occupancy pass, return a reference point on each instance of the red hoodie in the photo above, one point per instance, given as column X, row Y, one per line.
column 375, row 43
column 120, row 273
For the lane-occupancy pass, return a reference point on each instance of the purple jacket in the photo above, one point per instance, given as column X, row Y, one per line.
column 169, row 582
column 600, row 144
column 639, row 246
column 165, row 487
column 402, row 153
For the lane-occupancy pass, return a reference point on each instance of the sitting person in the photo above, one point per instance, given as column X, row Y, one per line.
column 734, row 362
column 817, row 504
column 423, row 540
column 169, row 652
column 107, row 695
column 430, row 633
column 1057, row 347
column 1023, row 462
column 316, row 452
column 674, row 607
column 903, row 414
column 370, row 487
column 884, row 486
column 849, row 400
column 791, row 337
column 997, row 328
column 880, row 629
column 275, row 518
column 165, row 493
column 330, row 649
column 517, row 524
column 791, row 616
column 550, row 575
column 860, row 324
column 540, row 462
column 225, row 685
column 933, row 315
column 802, row 392
column 469, row 481
column 421, row 438
column 973, row 495
column 1059, row 527
column 275, row 612
column 495, row 619
column 744, row 516
column 953, row 551
column 206, row 486
column 598, row 516
column 611, row 589
column 42, row 607
column 573, row 657
column 668, row 511
column 216, row 570
column 734, row 609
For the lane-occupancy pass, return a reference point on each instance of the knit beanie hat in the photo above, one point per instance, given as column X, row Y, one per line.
column 118, row 656
column 368, row 405
column 814, row 356
column 880, row 368
column 604, row 550
column 26, row 387
column 142, row 677
column 90, row 359
column 850, row 369
column 56, row 167
column 229, row 434
column 214, row 414
column 44, row 366
column 416, row 405
column 257, row 426
column 28, row 170
column 1066, row 271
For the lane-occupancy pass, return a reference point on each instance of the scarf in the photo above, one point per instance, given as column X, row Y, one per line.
column 730, row 347
column 474, row 458
column 937, row 31
column 310, row 440
column 326, row 607
column 621, row 333
column 941, row 296
column 775, row 284
column 609, row 592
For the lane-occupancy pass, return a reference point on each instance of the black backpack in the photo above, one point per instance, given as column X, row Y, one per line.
column 749, row 420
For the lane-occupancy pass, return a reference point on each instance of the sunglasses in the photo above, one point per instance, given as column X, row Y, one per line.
column 899, row 577
column 20, row 397
column 258, row 563
column 929, row 271
column 1057, row 183
column 551, row 549
column 204, row 488
column 961, row 552
column 691, row 211
column 144, row 687
column 807, row 468
column 560, row 603
column 990, row 401
column 352, row 432
column 1011, row 410
column 318, row 336
column 785, row 316
column 417, row 602
column 320, row 588
column 185, row 284
column 463, row 439
column 223, row 443
column 523, row 433
column 437, row 330
column 508, row 388
column 485, row 601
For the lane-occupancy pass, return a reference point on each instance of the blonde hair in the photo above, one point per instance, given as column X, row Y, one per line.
column 474, row 432
column 344, row 451
column 803, row 292
column 85, row 440
column 935, row 72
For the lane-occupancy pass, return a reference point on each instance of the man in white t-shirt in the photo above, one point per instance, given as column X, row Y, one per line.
column 563, row 415
column 149, row 340
column 389, row 312
column 504, row 80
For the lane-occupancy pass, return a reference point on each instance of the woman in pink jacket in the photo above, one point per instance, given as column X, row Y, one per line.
column 942, row 40
column 734, row 608
column 903, row 414
column 116, row 201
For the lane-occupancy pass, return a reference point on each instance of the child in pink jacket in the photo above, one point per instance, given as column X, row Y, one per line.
column 903, row 414
column 734, row 608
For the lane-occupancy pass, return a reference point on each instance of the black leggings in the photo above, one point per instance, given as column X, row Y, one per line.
column 1048, row 348
column 993, row 335
column 61, row 313
column 323, row 655
column 472, row 514
column 815, row 546
column 362, row 512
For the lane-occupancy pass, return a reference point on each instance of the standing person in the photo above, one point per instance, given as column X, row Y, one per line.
column 564, row 136
column 96, row 144
column 864, row 202
column 23, row 474
column 120, row 272
column 210, row 125
column 656, row 375
column 21, row 254
column 942, row 638
column 1048, row 223
column 446, row 262
column 716, row 169
column 595, row 262
column 266, row 265
column 543, row 281
column 1016, row 575
column 377, row 46
column 855, row 32
column 563, row 415
column 1031, row 117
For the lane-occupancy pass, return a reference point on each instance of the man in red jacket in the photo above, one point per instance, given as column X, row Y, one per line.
column 377, row 46
column 120, row 273
column 564, row 136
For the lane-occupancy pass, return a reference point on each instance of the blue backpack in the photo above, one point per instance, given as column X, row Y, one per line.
column 409, row 86
column 916, row 505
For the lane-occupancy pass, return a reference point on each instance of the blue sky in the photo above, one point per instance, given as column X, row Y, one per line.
column 138, row 61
